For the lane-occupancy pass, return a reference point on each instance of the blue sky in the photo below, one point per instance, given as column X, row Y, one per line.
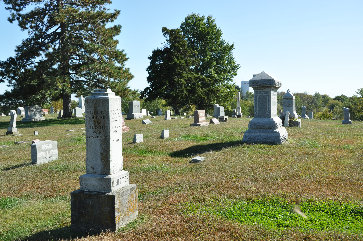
column 310, row 46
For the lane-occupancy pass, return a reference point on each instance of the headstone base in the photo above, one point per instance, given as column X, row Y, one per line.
column 104, row 183
column 33, row 119
column 200, row 124
column 134, row 116
column 12, row 131
column 94, row 212
column 265, row 131
column 347, row 122
column 223, row 118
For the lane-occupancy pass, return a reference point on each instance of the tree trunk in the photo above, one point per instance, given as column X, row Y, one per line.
column 67, row 112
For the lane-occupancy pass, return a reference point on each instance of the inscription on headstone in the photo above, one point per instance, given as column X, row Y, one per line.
column 44, row 151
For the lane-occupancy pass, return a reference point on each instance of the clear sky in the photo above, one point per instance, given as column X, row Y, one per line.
column 309, row 45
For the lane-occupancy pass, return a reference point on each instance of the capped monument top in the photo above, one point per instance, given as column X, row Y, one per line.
column 102, row 92
column 288, row 95
column 263, row 80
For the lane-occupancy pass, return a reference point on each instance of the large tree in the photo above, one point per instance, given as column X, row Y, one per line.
column 70, row 49
column 195, row 67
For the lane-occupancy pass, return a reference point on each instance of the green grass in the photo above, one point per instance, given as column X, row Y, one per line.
column 239, row 192
column 278, row 214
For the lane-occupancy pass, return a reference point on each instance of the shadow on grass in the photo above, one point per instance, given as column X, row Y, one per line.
column 59, row 234
column 200, row 149
column 16, row 166
column 49, row 122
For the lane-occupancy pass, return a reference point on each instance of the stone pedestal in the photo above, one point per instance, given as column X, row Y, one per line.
column 265, row 127
column 199, row 118
column 105, row 200
column 94, row 212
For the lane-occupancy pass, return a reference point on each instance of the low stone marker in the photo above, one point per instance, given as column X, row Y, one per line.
column 44, row 151
column 266, row 127
column 12, row 130
column 214, row 121
column 303, row 113
column 106, row 200
column 144, row 112
column 167, row 115
column 138, row 138
column 164, row 134
column 199, row 118
column 146, row 122
column 346, row 116
column 78, row 112
column 36, row 133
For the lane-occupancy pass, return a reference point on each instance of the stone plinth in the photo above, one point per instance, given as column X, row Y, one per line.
column 199, row 118
column 105, row 199
column 265, row 127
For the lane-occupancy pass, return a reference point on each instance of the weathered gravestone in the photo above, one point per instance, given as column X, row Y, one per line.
column 78, row 112
column 303, row 112
column 81, row 103
column 144, row 112
column 167, row 115
column 218, row 112
column 159, row 112
column 311, row 115
column 288, row 105
column 134, row 110
column 33, row 113
column 51, row 110
column 12, row 130
column 346, row 116
column 238, row 108
column 164, row 134
column 214, row 121
column 20, row 111
column 286, row 119
column 105, row 200
column 199, row 118
column 265, row 127
column 146, row 122
column 138, row 138
column 60, row 114
column 44, row 151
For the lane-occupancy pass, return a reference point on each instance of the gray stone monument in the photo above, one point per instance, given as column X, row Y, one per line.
column 78, row 112
column 288, row 105
column 12, row 130
column 266, row 127
column 105, row 200
column 286, row 119
column 134, row 110
column 346, row 116
column 167, row 115
column 311, row 115
column 303, row 112
column 33, row 113
column 199, row 118
column 51, row 110
column 44, row 151
column 160, row 112
column 164, row 134
column 238, row 108
column 20, row 111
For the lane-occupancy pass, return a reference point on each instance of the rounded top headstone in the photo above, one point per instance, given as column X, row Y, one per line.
column 263, row 80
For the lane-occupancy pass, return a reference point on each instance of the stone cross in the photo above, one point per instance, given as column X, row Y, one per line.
column 105, row 199
column 265, row 127
column 12, row 125
column 346, row 116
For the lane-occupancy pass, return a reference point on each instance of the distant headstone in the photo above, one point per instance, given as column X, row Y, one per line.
column 167, row 115
column 238, row 108
column 218, row 112
column 138, row 138
column 214, row 121
column 51, row 110
column 78, row 112
column 303, row 112
column 105, row 200
column 199, row 118
column 164, row 134
column 146, row 122
column 20, row 111
column 287, row 118
column 36, row 133
column 265, row 127
column 288, row 104
column 33, row 113
column 12, row 130
column 45, row 111
column 160, row 112
column 81, row 104
column 134, row 110
column 60, row 114
column 144, row 112
column 346, row 116
column 44, row 151
column 197, row 159
column 311, row 115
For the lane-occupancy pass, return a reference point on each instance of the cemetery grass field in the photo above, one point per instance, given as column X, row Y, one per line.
column 308, row 189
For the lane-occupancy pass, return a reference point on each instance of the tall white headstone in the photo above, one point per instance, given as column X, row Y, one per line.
column 167, row 115
column 265, row 127
column 238, row 108
column 12, row 130
column 105, row 199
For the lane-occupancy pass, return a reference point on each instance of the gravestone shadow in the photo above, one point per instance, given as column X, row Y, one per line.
column 64, row 233
column 16, row 166
column 200, row 149
column 49, row 122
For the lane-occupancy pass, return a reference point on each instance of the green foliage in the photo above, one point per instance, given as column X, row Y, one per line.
column 70, row 49
column 154, row 105
column 194, row 68
column 278, row 214
column 9, row 202
column 326, row 114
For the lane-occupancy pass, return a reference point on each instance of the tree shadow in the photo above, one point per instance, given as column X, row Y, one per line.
column 16, row 166
column 64, row 233
column 48, row 122
column 200, row 149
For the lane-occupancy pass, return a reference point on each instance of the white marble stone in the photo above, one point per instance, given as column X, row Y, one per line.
column 167, row 115
column 138, row 138
column 12, row 130
column 44, row 151
column 146, row 122
column 164, row 134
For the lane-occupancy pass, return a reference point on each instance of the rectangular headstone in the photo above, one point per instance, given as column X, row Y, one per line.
column 146, row 122
column 138, row 138
column 164, row 134
column 44, row 151
column 134, row 110
column 199, row 118
column 167, row 115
